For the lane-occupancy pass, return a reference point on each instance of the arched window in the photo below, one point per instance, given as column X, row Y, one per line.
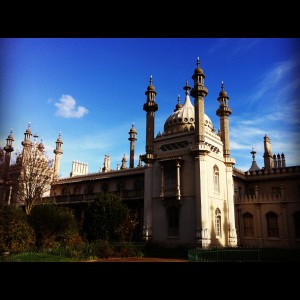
column 297, row 224
column 272, row 224
column 248, row 224
column 216, row 179
column 173, row 215
column 218, row 223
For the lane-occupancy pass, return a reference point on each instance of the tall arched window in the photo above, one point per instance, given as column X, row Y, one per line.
column 216, row 179
column 248, row 224
column 218, row 228
column 297, row 224
column 272, row 224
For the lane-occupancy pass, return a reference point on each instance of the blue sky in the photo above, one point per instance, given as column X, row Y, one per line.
column 92, row 89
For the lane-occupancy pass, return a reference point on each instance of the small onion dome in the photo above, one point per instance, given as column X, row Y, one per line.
column 223, row 93
column 198, row 70
column 151, row 87
column 178, row 105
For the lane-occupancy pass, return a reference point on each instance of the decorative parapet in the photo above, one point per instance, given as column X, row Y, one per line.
column 293, row 170
column 265, row 198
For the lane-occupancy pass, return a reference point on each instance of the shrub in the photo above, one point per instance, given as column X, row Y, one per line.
column 53, row 225
column 16, row 235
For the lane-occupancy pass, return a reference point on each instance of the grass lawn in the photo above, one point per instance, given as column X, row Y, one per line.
column 38, row 257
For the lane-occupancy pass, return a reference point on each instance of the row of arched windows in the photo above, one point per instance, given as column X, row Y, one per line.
column 272, row 224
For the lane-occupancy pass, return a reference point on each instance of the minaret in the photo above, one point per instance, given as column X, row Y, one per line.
column 268, row 158
column 132, row 138
column 199, row 91
column 58, row 152
column 254, row 166
column 8, row 150
column 202, row 209
column 150, row 107
column 223, row 112
column 27, row 139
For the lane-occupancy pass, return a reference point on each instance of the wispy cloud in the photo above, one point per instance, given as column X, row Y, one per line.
column 238, row 45
column 245, row 44
column 66, row 108
column 273, row 82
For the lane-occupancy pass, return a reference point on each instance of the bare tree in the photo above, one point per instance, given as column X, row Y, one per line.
column 36, row 175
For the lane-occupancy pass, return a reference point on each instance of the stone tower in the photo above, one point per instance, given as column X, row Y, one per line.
column 132, row 138
column 150, row 107
column 200, row 152
column 224, row 112
column 58, row 152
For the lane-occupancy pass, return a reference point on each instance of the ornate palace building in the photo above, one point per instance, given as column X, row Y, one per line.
column 185, row 189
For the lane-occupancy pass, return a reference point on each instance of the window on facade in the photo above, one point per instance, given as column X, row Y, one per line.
column 297, row 224
column 216, row 179
column 173, row 214
column 170, row 177
column 272, row 224
column 218, row 223
column 248, row 224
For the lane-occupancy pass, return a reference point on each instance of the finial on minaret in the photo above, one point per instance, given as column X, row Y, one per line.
column 253, row 153
column 187, row 88
column 198, row 62
column 29, row 124
column 151, row 80
column 178, row 105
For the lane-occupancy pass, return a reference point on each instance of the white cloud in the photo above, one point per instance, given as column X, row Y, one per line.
column 66, row 108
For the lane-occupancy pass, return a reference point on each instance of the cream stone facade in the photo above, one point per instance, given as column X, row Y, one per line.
column 185, row 190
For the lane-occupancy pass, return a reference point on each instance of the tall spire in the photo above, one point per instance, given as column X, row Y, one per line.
column 132, row 138
column 58, row 152
column 27, row 137
column 150, row 107
column 199, row 92
column 223, row 112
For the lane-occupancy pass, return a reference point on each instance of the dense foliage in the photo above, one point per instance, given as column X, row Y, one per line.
column 53, row 225
column 108, row 218
column 16, row 235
